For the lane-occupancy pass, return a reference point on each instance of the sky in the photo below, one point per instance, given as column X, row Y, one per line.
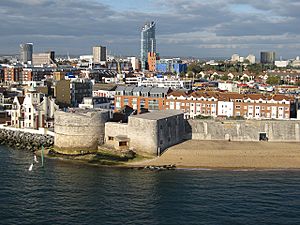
column 185, row 28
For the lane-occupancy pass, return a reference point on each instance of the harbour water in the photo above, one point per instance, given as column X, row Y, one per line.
column 73, row 193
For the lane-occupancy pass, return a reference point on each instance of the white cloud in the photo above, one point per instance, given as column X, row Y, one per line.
column 182, row 25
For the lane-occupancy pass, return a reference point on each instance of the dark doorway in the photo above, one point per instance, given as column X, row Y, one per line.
column 263, row 137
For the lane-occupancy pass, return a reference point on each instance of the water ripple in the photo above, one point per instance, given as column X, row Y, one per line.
column 68, row 193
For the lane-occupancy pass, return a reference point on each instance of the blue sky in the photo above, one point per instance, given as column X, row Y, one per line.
column 199, row 28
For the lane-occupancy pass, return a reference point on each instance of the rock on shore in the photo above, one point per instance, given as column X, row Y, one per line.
column 25, row 141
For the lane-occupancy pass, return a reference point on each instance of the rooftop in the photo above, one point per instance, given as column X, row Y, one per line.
column 158, row 115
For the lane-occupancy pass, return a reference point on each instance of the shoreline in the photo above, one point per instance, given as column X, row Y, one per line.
column 210, row 156
column 224, row 155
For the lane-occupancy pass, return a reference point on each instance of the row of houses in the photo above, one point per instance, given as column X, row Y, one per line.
column 202, row 103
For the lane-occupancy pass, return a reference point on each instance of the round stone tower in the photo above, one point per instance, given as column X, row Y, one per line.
column 80, row 131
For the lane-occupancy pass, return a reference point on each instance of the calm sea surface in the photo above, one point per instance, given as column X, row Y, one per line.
column 70, row 193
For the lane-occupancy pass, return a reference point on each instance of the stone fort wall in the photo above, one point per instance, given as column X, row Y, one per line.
column 244, row 130
column 79, row 132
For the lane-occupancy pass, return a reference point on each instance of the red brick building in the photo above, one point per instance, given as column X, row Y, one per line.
column 152, row 61
column 214, row 104
column 13, row 73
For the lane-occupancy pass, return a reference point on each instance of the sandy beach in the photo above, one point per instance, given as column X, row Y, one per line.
column 225, row 154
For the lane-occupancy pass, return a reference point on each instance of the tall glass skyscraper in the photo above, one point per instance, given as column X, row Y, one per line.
column 267, row 57
column 148, row 42
column 26, row 52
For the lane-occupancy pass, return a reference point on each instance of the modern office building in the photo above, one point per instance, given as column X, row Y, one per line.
column 46, row 58
column 99, row 54
column 148, row 42
column 135, row 64
column 251, row 58
column 26, row 51
column 267, row 57
column 235, row 58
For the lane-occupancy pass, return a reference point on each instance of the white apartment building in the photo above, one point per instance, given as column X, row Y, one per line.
column 166, row 83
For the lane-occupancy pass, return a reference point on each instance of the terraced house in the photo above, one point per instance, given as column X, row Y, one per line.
column 214, row 104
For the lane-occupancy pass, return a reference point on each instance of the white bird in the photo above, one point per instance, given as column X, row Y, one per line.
column 30, row 167
column 35, row 159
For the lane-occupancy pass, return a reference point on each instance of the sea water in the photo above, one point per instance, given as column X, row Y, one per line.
column 74, row 193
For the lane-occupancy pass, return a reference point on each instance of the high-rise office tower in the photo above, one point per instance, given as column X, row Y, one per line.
column 26, row 52
column 99, row 54
column 148, row 42
column 267, row 57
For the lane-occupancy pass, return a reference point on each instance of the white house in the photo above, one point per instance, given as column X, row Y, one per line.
column 225, row 108
column 34, row 110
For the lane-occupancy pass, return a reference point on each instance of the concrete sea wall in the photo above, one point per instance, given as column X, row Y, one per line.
column 244, row 130
column 25, row 140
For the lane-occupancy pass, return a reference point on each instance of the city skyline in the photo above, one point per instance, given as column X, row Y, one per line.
column 184, row 28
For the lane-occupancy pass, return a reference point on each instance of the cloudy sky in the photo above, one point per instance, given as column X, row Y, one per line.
column 199, row 28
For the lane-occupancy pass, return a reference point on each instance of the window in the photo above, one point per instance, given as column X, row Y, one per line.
column 237, row 106
column 110, row 138
column 153, row 104
column 142, row 103
column 123, row 143
column 125, row 101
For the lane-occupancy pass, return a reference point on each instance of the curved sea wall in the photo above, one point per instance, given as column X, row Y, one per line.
column 24, row 140
column 79, row 132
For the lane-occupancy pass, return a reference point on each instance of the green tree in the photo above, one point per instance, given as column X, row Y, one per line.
column 194, row 67
column 182, row 74
column 232, row 69
column 273, row 80
column 216, row 77
column 224, row 77
column 255, row 68
column 190, row 74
